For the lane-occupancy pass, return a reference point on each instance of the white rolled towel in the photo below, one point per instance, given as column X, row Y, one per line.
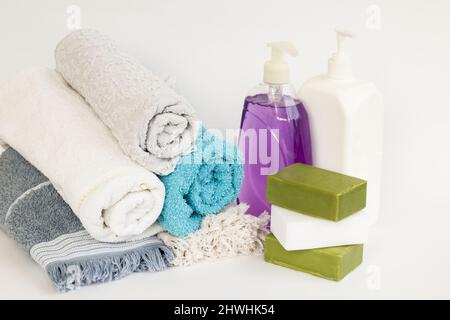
column 153, row 124
column 56, row 131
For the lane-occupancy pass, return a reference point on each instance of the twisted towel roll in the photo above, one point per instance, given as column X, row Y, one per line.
column 203, row 183
column 153, row 124
column 229, row 233
column 56, row 131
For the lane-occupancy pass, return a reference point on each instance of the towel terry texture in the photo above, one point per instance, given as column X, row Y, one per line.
column 153, row 124
column 227, row 234
column 52, row 127
column 203, row 183
column 37, row 218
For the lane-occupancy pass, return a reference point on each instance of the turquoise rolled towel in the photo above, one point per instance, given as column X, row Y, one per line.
column 203, row 183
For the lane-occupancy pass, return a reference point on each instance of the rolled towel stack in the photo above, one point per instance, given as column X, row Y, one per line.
column 153, row 124
column 87, row 142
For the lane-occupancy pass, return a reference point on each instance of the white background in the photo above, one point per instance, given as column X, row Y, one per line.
column 216, row 50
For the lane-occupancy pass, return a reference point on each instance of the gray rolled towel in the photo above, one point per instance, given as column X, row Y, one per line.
column 37, row 218
column 152, row 123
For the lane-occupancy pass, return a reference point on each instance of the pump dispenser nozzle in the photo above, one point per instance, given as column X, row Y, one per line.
column 339, row 65
column 276, row 70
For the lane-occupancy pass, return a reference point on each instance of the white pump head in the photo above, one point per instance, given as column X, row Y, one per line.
column 276, row 70
column 339, row 65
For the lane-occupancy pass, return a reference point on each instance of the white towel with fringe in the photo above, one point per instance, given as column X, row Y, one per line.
column 153, row 124
column 56, row 131
column 230, row 233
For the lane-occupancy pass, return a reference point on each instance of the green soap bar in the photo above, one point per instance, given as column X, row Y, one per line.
column 332, row 263
column 316, row 192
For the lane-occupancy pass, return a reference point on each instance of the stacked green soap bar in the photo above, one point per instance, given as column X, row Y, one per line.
column 316, row 192
column 332, row 263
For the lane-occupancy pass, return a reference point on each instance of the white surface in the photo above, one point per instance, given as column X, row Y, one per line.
column 393, row 268
column 297, row 231
column 408, row 59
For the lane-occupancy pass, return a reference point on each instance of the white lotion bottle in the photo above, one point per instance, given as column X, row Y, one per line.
column 346, row 116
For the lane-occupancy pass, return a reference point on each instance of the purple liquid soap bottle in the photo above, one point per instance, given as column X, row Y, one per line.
column 274, row 130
